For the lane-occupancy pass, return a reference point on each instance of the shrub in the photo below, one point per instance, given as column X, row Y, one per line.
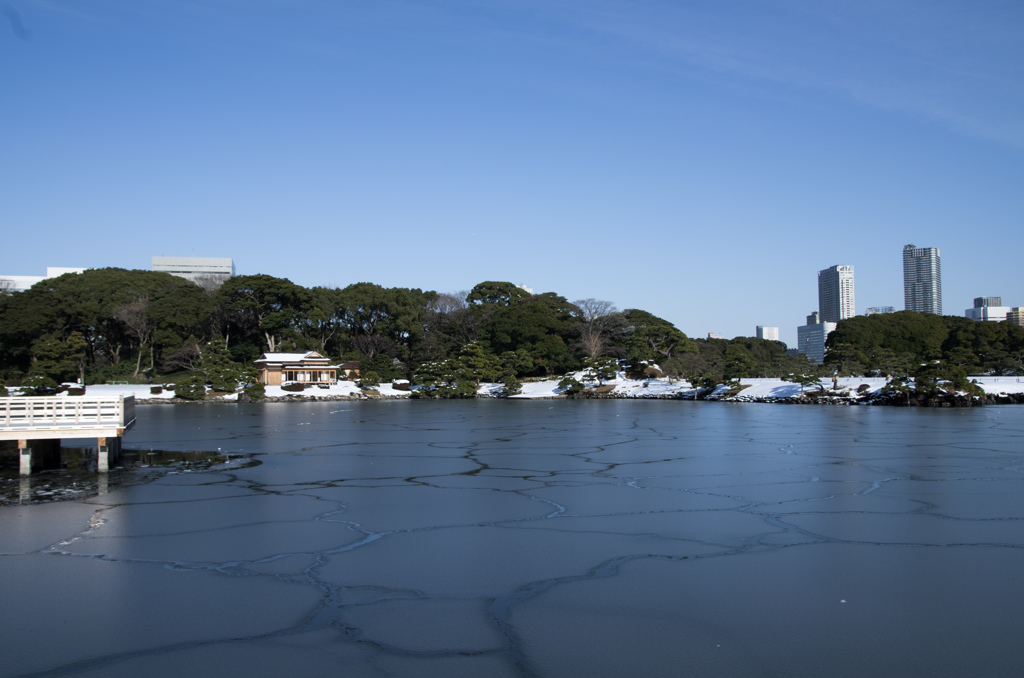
column 863, row 388
column 512, row 385
column 293, row 387
column 156, row 390
column 76, row 391
column 39, row 384
column 256, row 390
column 600, row 369
column 384, row 367
column 369, row 379
column 570, row 385
column 122, row 371
column 190, row 388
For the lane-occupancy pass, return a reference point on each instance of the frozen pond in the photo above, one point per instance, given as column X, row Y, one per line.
column 544, row 538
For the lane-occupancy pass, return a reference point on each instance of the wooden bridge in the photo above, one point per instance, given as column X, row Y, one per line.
column 39, row 424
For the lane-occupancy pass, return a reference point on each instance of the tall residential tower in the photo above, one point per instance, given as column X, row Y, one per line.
column 835, row 294
column 922, row 279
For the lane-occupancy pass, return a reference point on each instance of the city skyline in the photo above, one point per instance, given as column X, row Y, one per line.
column 639, row 154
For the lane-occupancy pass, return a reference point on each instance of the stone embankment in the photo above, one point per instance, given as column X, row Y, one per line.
column 842, row 397
column 735, row 395
column 296, row 398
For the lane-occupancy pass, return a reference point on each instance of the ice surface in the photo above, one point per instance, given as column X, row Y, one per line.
column 535, row 538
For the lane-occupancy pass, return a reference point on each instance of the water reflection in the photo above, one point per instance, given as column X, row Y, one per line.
column 78, row 479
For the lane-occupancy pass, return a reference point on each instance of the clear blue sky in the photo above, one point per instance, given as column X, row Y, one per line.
column 700, row 160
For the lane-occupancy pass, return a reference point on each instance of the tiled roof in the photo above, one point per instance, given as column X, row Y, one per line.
column 290, row 357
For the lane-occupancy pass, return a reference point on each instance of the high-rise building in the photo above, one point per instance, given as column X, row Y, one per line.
column 770, row 333
column 835, row 294
column 981, row 302
column 1016, row 315
column 922, row 279
column 874, row 310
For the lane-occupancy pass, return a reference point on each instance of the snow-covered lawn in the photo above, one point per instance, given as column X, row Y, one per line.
column 142, row 392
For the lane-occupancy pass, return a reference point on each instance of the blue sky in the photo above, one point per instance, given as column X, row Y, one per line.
column 700, row 160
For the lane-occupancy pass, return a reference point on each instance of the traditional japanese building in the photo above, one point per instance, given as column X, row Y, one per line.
column 350, row 370
column 306, row 368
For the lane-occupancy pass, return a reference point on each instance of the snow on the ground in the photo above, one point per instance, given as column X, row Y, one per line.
column 630, row 388
column 755, row 388
column 1001, row 384
column 342, row 388
column 140, row 391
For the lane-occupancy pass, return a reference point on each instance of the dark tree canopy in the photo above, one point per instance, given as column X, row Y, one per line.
column 119, row 324
column 261, row 304
column 649, row 337
column 903, row 342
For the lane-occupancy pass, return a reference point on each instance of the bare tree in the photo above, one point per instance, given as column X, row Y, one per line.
column 185, row 357
column 449, row 302
column 595, row 309
column 373, row 344
column 210, row 283
column 134, row 315
column 595, row 324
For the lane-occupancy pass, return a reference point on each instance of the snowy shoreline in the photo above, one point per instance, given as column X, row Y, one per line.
column 754, row 390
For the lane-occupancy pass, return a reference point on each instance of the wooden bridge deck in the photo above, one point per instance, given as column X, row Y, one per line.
column 65, row 417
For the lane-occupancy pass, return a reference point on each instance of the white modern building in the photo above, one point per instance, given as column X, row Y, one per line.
column 835, row 294
column 988, row 309
column 922, row 279
column 810, row 338
column 875, row 310
column 770, row 333
column 199, row 270
column 20, row 283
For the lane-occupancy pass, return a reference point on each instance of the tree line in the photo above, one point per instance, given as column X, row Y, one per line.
column 109, row 324
column 117, row 324
column 929, row 348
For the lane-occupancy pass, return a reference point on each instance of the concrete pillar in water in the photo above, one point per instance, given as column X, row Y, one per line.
column 25, row 454
column 108, row 454
column 36, row 455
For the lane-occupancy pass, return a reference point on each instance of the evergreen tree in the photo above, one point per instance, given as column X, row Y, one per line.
column 219, row 371
column 599, row 369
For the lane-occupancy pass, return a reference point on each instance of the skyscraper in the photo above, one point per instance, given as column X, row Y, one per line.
column 835, row 294
column 922, row 279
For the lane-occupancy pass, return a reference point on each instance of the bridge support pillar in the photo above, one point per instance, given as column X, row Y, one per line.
column 36, row 455
column 109, row 453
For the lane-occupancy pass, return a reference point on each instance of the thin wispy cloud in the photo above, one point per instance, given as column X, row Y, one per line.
column 15, row 22
column 941, row 61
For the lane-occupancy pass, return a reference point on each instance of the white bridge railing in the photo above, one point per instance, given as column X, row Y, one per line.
column 66, row 413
